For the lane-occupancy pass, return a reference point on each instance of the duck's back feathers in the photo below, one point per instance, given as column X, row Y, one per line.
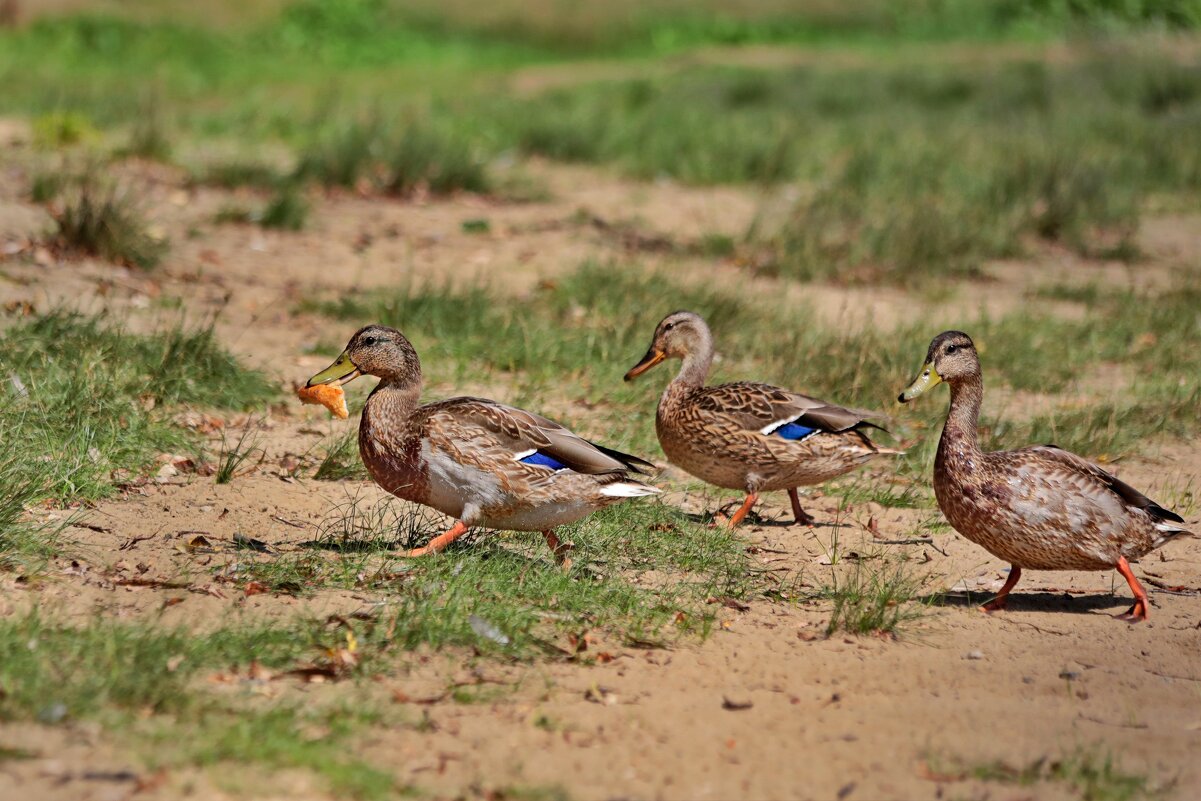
column 765, row 408
column 525, row 436
column 1057, row 458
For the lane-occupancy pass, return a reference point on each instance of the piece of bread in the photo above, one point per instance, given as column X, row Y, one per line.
column 330, row 396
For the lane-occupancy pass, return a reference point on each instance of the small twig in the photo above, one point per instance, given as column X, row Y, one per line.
column 287, row 522
column 1119, row 725
column 132, row 541
column 1172, row 675
column 160, row 584
column 911, row 541
column 93, row 527
column 1036, row 628
column 1171, row 589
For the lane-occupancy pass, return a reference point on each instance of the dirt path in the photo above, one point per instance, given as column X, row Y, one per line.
column 767, row 707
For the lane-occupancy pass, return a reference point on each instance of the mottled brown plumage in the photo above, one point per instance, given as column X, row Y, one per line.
column 732, row 435
column 1041, row 507
column 469, row 458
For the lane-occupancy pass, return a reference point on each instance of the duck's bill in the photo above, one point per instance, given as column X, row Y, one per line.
column 927, row 378
column 343, row 371
column 651, row 358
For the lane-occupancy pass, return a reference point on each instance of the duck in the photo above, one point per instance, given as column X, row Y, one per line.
column 748, row 436
column 480, row 462
column 1039, row 507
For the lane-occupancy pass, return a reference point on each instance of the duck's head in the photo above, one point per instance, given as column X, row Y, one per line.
column 952, row 357
column 373, row 350
column 677, row 336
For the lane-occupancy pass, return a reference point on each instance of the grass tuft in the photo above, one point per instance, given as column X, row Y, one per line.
column 238, row 173
column 96, row 218
column 399, row 158
column 233, row 457
column 438, row 162
column 287, row 210
column 341, row 460
column 875, row 596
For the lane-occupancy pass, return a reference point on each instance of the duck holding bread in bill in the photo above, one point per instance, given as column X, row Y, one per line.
column 1040, row 507
column 748, row 436
column 477, row 461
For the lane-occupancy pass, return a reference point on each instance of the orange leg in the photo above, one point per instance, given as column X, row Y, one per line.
column 1139, row 611
column 560, row 549
column 999, row 602
column 440, row 542
column 802, row 518
column 750, row 501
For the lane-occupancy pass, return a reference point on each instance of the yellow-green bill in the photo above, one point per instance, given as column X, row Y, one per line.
column 338, row 373
column 929, row 377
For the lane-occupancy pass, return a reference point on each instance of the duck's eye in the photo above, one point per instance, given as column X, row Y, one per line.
column 668, row 326
column 368, row 341
column 951, row 349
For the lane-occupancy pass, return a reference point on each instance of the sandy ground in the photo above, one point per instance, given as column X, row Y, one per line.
column 767, row 707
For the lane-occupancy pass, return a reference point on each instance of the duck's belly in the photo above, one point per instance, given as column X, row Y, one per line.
column 536, row 518
column 707, row 466
column 479, row 498
column 1029, row 531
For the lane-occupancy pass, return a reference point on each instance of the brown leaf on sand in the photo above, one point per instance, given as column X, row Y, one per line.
column 198, row 543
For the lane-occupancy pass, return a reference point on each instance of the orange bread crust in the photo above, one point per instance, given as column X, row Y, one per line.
column 327, row 395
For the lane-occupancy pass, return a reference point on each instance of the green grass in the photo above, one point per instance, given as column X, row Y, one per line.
column 24, row 546
column 235, row 454
column 642, row 573
column 399, row 157
column 150, row 135
column 145, row 684
column 236, row 173
column 94, row 217
column 1088, row 773
column 873, row 596
column 341, row 461
column 910, row 169
column 98, row 400
column 287, row 210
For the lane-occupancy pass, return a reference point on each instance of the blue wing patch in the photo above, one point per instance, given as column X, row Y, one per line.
column 542, row 460
column 794, row 431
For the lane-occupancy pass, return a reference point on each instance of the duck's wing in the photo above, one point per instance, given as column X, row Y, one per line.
column 506, row 432
column 768, row 409
column 1065, row 467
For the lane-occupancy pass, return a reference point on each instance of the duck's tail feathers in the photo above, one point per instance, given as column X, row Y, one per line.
column 628, row 489
column 1169, row 530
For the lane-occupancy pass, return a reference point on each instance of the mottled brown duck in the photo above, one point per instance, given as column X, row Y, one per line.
column 477, row 461
column 748, row 436
column 1038, row 508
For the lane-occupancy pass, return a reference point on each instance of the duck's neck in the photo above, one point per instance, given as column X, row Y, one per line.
column 692, row 376
column 389, row 408
column 960, row 437
column 694, row 370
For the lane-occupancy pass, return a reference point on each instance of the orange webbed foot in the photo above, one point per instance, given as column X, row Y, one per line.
column 1135, row 614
